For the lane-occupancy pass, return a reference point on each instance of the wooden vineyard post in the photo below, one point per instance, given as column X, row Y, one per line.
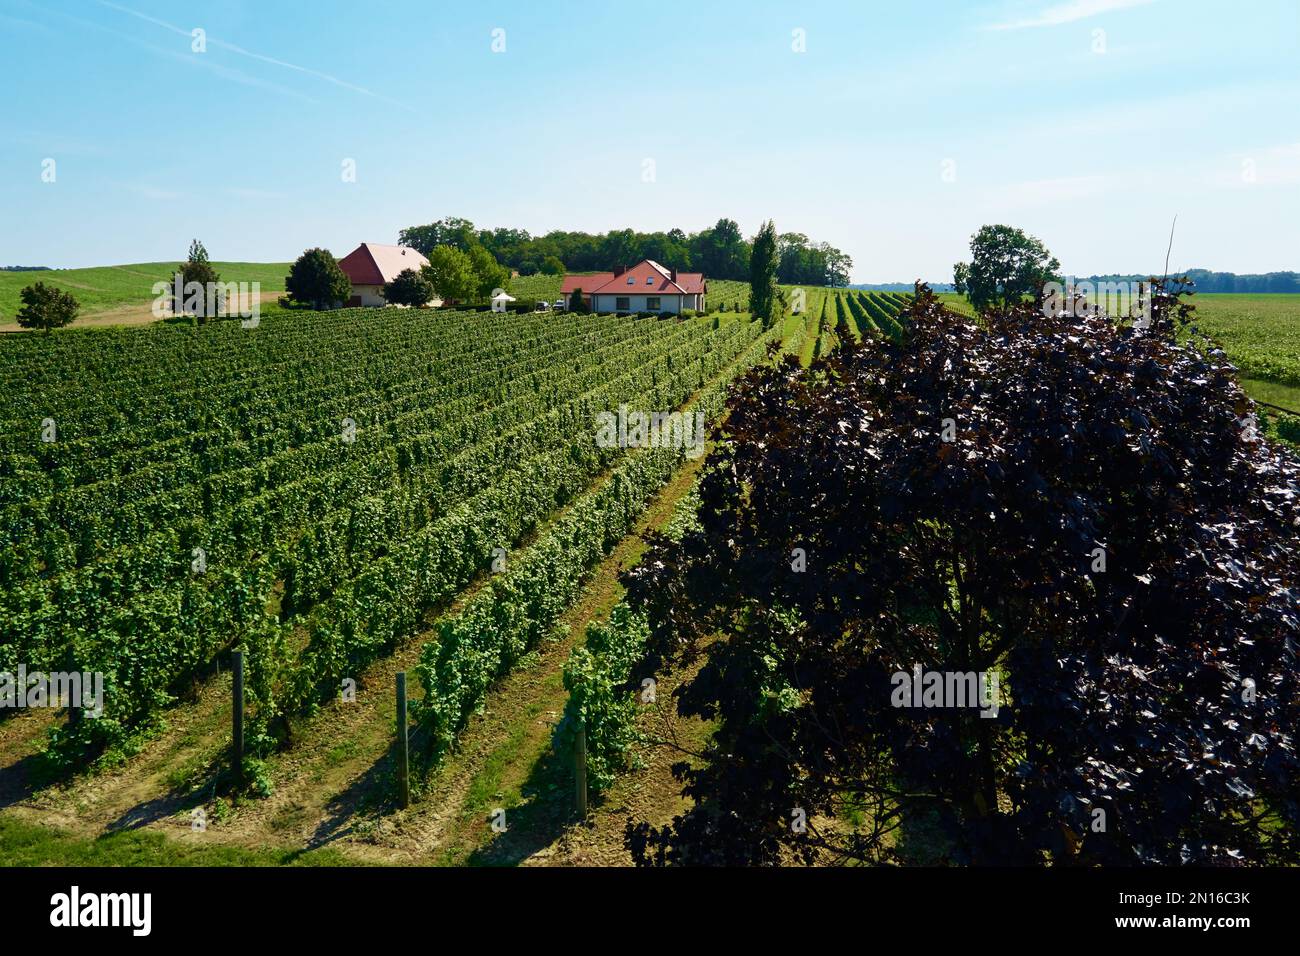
column 580, row 771
column 74, row 707
column 237, row 717
column 403, row 744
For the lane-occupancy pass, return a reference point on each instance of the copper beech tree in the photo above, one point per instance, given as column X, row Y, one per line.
column 1076, row 507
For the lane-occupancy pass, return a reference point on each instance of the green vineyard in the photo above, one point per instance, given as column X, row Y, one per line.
column 313, row 491
column 834, row 316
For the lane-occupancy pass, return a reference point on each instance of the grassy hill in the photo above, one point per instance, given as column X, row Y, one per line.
column 104, row 289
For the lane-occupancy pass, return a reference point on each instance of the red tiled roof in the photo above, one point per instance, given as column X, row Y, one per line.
column 374, row 264
column 692, row 283
column 585, row 283
column 606, row 283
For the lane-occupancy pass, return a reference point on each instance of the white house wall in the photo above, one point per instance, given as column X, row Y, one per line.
column 373, row 296
column 637, row 303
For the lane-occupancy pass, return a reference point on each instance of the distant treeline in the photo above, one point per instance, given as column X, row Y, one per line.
column 24, row 269
column 1207, row 281
column 720, row 252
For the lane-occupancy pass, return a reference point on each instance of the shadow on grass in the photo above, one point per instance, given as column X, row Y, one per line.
column 211, row 781
column 547, row 811
column 19, row 780
column 376, row 790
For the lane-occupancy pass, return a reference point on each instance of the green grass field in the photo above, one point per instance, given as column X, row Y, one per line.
column 28, row 844
column 957, row 303
column 537, row 286
column 1260, row 332
column 107, row 288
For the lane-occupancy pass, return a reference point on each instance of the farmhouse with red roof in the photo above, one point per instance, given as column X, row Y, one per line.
column 644, row 287
column 370, row 266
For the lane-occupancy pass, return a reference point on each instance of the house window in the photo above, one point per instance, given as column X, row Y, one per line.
column 649, row 280
column 652, row 303
column 621, row 303
column 630, row 280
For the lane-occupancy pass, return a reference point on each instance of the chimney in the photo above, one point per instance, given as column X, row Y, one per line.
column 619, row 270
column 672, row 273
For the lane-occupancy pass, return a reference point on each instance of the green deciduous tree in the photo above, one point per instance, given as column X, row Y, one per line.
column 316, row 279
column 451, row 273
column 807, row 263
column 1006, row 266
column 197, row 269
column 721, row 252
column 489, row 274
column 449, row 231
column 408, row 288
column 45, row 307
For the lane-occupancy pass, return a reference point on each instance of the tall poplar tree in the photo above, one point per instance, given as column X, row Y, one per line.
column 763, row 262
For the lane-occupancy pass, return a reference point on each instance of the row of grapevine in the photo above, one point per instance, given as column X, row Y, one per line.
column 201, row 493
column 883, row 310
column 599, row 674
column 366, row 618
column 519, row 607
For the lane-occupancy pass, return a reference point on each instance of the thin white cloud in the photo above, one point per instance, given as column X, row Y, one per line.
column 1046, row 192
column 229, row 73
column 241, row 192
column 153, row 192
column 241, row 51
column 1068, row 13
column 25, row 24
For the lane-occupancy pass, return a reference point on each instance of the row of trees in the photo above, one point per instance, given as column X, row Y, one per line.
column 720, row 252
column 1207, row 281
column 464, row 267
column 315, row 280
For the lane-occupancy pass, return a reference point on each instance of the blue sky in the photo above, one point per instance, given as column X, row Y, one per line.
column 899, row 130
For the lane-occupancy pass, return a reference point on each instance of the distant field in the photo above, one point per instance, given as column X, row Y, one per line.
column 537, row 286
column 957, row 303
column 126, row 288
column 1260, row 332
